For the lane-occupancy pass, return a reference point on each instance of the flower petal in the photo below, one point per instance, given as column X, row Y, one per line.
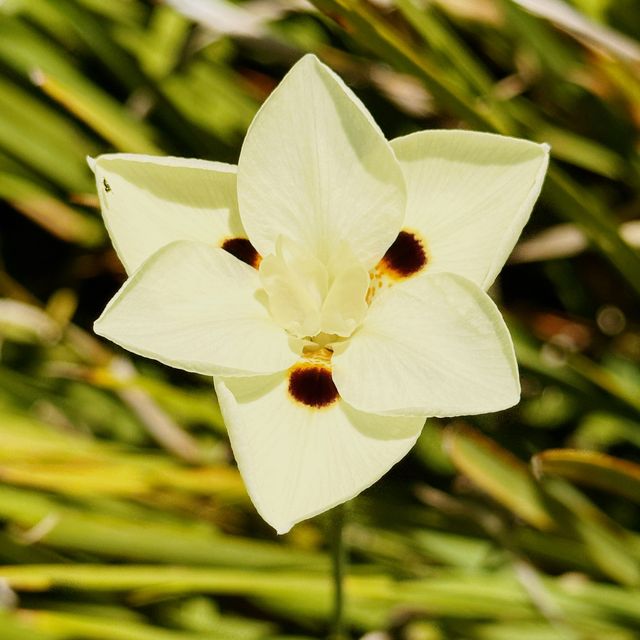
column 470, row 194
column 195, row 307
column 315, row 164
column 148, row 202
column 298, row 461
column 434, row 345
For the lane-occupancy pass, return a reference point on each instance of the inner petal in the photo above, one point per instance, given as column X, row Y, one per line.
column 308, row 297
column 345, row 304
column 296, row 284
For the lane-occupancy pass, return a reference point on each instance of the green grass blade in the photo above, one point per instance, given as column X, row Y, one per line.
column 592, row 469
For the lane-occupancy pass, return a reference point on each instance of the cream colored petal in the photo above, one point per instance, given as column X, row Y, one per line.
column 148, row 202
column 470, row 194
column 295, row 285
column 345, row 305
column 314, row 165
column 197, row 308
column 434, row 345
column 297, row 461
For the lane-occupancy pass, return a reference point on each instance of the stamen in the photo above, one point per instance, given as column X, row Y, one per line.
column 312, row 385
column 406, row 256
column 314, row 354
column 242, row 249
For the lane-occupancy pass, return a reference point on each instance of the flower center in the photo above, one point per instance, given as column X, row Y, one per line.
column 308, row 297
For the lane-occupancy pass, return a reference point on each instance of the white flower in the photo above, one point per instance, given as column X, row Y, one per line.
column 332, row 283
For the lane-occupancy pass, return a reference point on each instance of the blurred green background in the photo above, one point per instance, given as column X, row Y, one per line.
column 122, row 515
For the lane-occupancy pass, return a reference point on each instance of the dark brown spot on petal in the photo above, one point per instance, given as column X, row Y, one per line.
column 406, row 256
column 242, row 249
column 312, row 385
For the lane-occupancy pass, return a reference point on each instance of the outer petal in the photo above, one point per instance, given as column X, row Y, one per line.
column 315, row 165
column 148, row 202
column 195, row 307
column 470, row 194
column 298, row 462
column 434, row 345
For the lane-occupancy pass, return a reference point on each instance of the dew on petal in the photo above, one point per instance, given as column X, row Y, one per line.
column 312, row 386
column 406, row 256
column 242, row 249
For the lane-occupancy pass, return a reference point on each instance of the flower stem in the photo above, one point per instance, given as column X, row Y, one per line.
column 338, row 564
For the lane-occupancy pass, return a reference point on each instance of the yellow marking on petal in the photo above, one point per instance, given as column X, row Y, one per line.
column 405, row 258
column 317, row 355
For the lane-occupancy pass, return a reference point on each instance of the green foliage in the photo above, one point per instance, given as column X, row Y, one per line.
column 122, row 516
